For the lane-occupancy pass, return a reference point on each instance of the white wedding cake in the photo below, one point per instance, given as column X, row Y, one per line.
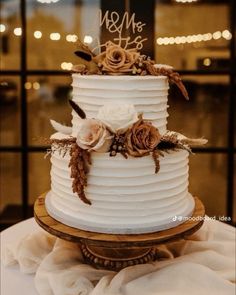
column 140, row 186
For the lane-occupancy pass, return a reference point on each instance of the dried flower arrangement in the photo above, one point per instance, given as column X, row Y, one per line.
column 62, row 146
column 116, row 60
column 117, row 129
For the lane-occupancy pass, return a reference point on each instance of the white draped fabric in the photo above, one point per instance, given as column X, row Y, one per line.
column 202, row 264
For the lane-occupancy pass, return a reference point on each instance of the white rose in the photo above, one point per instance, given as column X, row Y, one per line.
column 93, row 136
column 118, row 117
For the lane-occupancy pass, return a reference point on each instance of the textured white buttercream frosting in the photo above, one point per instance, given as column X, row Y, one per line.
column 148, row 94
column 126, row 195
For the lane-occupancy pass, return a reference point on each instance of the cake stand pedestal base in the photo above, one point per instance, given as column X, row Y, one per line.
column 113, row 251
column 117, row 258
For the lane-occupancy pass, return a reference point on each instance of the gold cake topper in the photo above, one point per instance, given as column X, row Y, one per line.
column 119, row 26
column 121, row 55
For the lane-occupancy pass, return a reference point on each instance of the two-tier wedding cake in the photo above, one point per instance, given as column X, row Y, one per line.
column 117, row 169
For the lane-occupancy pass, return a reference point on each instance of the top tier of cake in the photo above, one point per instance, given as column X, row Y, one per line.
column 148, row 94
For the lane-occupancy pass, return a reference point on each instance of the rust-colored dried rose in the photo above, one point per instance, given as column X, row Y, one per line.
column 142, row 138
column 117, row 60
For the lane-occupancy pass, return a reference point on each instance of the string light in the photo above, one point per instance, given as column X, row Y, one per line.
column 66, row 66
column 217, row 35
column 194, row 38
column 48, row 1
column 71, row 38
column 28, row 85
column 2, row 28
column 227, row 35
column 207, row 37
column 207, row 62
column 36, row 85
column 185, row 1
column 18, row 31
column 55, row 36
column 88, row 39
column 37, row 34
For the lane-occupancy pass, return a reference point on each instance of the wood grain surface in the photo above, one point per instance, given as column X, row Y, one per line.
column 68, row 233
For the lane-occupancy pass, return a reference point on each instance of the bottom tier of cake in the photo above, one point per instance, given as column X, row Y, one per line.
column 127, row 196
column 160, row 222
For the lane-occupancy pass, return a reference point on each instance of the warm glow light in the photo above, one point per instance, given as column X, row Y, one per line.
column 207, row 37
column 55, row 36
column 47, row 1
column 183, row 39
column 199, row 37
column 189, row 39
column 66, row 66
column 185, row 1
column 159, row 41
column 88, row 39
column 216, row 35
column 227, row 35
column 71, row 38
column 2, row 28
column 165, row 41
column 17, row 31
column 177, row 40
column 207, row 62
column 172, row 40
column 36, row 85
column 28, row 85
column 37, row 34
column 194, row 38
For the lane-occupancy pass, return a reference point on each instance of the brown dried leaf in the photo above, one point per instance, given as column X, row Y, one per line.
column 85, row 57
column 77, row 109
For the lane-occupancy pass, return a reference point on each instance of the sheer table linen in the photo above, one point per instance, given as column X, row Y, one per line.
column 34, row 262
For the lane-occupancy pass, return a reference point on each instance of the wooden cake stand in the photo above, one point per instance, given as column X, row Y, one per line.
column 113, row 251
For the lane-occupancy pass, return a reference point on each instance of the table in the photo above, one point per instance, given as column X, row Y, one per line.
column 206, row 261
column 12, row 280
column 115, row 252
